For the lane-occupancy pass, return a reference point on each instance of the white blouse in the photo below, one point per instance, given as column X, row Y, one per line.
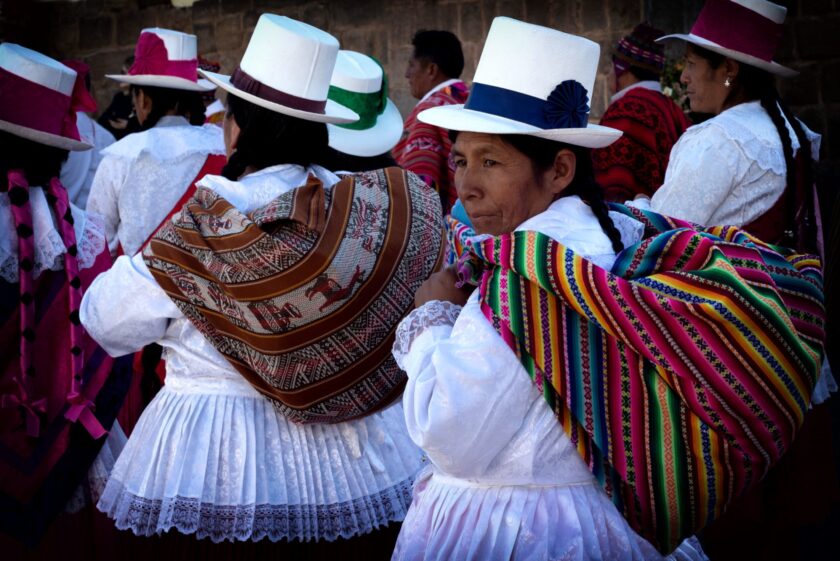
column 727, row 170
column 505, row 482
column 210, row 455
column 143, row 175
column 79, row 169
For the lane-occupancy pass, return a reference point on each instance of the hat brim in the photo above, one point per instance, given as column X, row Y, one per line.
column 333, row 112
column 456, row 117
column 374, row 141
column 772, row 67
column 171, row 82
column 46, row 138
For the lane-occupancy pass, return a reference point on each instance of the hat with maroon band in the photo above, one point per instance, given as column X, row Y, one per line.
column 37, row 100
column 165, row 59
column 287, row 68
column 748, row 31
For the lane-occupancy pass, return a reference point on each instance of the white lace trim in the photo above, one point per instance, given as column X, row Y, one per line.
column 49, row 247
column 435, row 312
column 169, row 141
column 750, row 127
column 147, row 517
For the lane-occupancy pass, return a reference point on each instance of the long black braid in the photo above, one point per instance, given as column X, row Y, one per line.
column 269, row 138
column 754, row 84
column 543, row 152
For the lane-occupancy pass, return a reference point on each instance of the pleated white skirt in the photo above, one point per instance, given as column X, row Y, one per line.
column 228, row 467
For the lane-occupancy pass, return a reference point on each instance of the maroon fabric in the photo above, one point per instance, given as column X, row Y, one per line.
column 82, row 100
column 735, row 27
column 251, row 85
column 152, row 58
column 636, row 163
column 37, row 107
column 791, row 221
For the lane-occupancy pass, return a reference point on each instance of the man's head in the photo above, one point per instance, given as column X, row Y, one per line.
column 437, row 57
column 638, row 57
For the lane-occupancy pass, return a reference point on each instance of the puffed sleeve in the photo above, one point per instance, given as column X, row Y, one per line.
column 104, row 196
column 125, row 309
column 705, row 166
column 467, row 394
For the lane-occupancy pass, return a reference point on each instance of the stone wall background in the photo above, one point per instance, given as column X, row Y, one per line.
column 103, row 33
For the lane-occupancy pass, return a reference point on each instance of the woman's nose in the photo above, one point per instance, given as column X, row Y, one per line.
column 466, row 183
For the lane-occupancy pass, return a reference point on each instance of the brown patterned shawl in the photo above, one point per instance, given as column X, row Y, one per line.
column 303, row 295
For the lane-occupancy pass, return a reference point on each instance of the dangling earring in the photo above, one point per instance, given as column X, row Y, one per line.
column 727, row 82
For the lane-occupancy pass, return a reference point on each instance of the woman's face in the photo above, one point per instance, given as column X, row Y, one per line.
column 142, row 105
column 498, row 185
column 704, row 85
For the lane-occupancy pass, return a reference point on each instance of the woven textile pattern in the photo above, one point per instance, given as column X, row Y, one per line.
column 303, row 296
column 681, row 376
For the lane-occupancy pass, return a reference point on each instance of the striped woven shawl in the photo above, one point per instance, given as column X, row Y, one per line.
column 681, row 376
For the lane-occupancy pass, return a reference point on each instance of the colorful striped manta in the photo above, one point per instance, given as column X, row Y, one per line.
column 682, row 375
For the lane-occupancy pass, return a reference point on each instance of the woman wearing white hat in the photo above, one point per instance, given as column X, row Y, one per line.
column 144, row 175
column 58, row 396
column 276, row 292
column 751, row 165
column 555, row 424
column 744, row 166
column 359, row 82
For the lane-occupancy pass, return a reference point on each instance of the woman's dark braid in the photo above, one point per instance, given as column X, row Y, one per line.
column 780, row 114
column 590, row 192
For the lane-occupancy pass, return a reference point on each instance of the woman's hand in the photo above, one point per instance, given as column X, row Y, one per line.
column 441, row 286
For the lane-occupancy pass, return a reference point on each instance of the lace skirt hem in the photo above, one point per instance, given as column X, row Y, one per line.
column 147, row 517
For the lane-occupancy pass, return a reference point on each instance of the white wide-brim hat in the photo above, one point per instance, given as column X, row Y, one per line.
column 171, row 82
column 748, row 31
column 286, row 68
column 530, row 80
column 379, row 139
column 28, row 75
column 359, row 83
column 165, row 58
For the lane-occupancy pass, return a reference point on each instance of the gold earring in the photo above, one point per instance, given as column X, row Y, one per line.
column 727, row 82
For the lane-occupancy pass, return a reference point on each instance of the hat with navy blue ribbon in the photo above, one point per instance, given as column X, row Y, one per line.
column 530, row 80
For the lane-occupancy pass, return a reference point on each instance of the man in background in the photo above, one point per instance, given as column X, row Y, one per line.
column 636, row 163
column 433, row 74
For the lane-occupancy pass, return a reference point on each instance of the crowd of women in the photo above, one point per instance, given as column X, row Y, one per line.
column 348, row 372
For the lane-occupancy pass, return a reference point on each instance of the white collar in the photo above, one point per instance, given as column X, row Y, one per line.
column 438, row 88
column 172, row 121
column 259, row 188
column 646, row 84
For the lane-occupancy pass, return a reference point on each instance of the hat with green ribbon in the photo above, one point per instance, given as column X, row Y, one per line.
column 359, row 83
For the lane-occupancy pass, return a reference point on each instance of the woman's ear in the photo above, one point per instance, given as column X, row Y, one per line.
column 563, row 171
column 231, row 133
column 732, row 68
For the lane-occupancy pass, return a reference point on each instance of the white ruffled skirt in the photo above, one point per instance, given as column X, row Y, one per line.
column 228, row 467
column 456, row 519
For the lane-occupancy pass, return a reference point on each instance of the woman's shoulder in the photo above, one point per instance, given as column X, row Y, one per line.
column 168, row 144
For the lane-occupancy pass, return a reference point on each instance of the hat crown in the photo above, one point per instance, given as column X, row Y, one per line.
column 37, row 68
column 291, row 56
column 356, row 72
column 179, row 46
column 533, row 60
column 769, row 10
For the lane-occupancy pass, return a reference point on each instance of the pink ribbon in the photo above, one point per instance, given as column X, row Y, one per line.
column 81, row 410
column 735, row 27
column 32, row 409
column 34, row 106
column 152, row 58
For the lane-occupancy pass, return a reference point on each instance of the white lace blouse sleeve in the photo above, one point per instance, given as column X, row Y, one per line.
column 104, row 196
column 704, row 168
column 125, row 309
column 467, row 394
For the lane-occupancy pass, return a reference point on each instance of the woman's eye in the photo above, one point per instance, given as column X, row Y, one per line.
column 489, row 163
column 460, row 162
